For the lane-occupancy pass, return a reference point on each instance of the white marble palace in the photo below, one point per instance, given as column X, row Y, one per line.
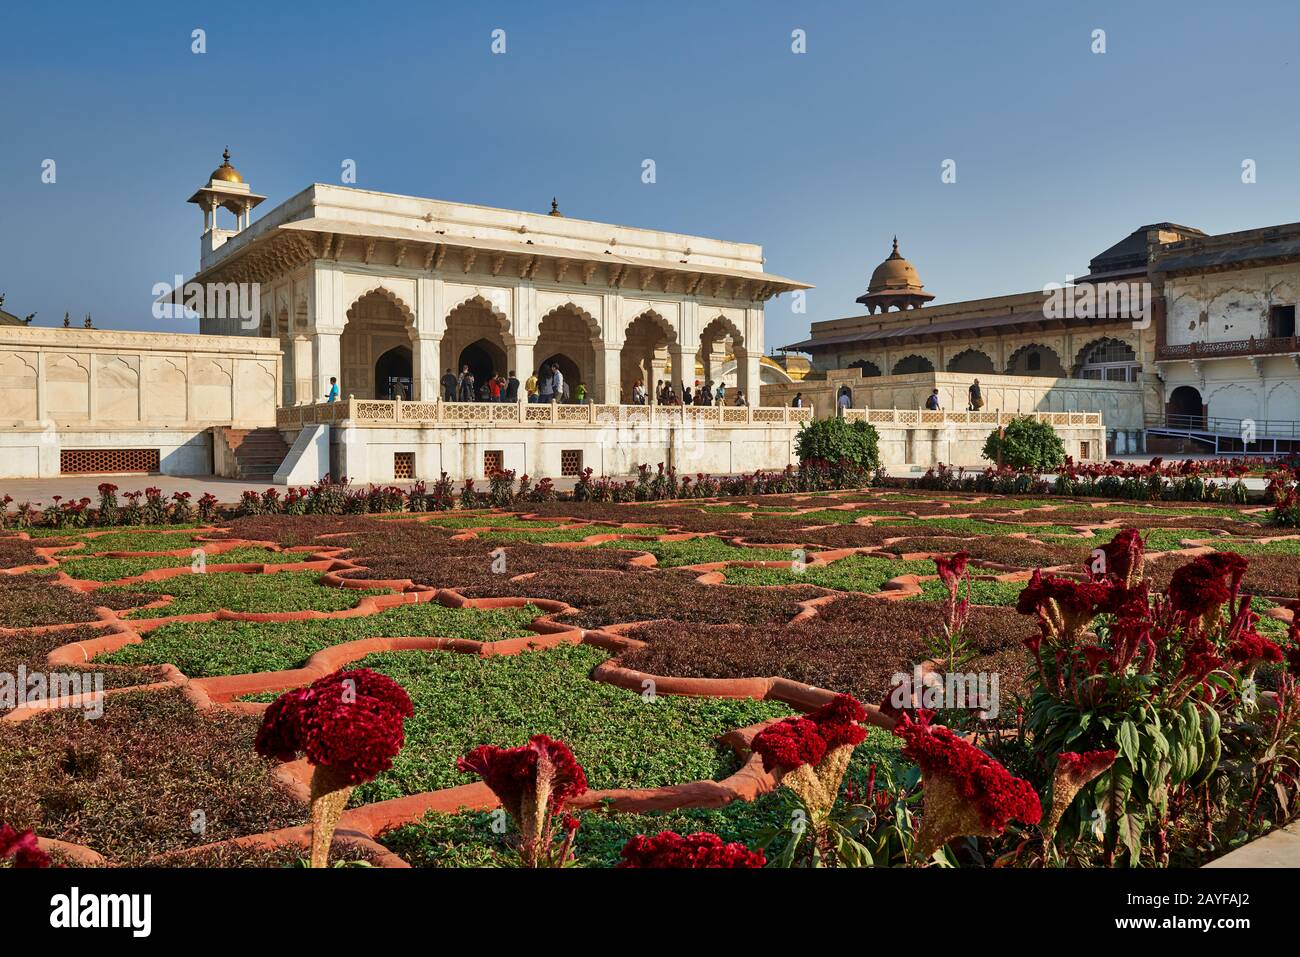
column 386, row 294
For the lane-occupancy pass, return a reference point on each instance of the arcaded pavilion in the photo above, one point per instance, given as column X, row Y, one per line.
column 386, row 292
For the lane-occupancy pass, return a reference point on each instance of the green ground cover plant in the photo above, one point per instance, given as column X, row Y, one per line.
column 111, row 569
column 44, row 532
column 976, row 526
column 860, row 573
column 698, row 551
column 983, row 591
column 621, row 739
column 208, row 649
column 468, row 840
column 235, row 591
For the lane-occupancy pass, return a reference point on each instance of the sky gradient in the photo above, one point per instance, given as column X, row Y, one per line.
column 820, row 157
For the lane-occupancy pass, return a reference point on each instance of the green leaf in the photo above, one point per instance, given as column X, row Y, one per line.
column 1127, row 740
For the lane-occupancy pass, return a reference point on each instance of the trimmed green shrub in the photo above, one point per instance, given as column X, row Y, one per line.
column 1026, row 443
column 834, row 440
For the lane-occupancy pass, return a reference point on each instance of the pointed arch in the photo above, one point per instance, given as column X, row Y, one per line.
column 645, row 341
column 478, row 301
column 909, row 365
column 868, row 369
column 975, row 361
column 380, row 290
column 1108, row 358
column 566, row 337
column 378, row 321
column 1036, row 360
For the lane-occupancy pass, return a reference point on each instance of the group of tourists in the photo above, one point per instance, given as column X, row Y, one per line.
column 546, row 385
column 700, row 394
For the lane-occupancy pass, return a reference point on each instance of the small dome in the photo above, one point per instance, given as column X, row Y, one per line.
column 895, row 273
column 225, row 172
column 555, row 208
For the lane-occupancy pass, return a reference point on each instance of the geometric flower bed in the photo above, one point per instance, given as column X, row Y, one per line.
column 665, row 651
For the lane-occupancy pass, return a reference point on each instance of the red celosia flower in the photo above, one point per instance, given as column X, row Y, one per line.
column 1065, row 606
column 951, row 569
column 1206, row 583
column 1123, row 557
column 837, row 721
column 789, row 744
column 349, row 721
column 670, row 849
column 998, row 796
column 1252, row 648
column 512, row 773
column 1087, row 765
column 22, row 848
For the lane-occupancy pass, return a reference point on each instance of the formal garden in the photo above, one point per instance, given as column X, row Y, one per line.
column 817, row 668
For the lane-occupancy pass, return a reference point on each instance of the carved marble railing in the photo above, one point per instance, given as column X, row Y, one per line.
column 388, row 413
column 1278, row 345
column 926, row 418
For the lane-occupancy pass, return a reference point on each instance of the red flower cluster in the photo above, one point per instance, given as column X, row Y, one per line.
column 670, row 849
column 789, row 744
column 992, row 789
column 1206, row 583
column 350, row 721
column 1123, row 557
column 951, row 569
column 955, row 611
column 1085, row 766
column 512, row 773
column 795, row 742
column 22, row 848
column 1253, row 648
column 1065, row 606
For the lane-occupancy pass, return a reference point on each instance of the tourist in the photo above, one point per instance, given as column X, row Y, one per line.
column 932, row 403
column 558, row 389
column 740, row 399
column 845, row 400
column 638, row 393
column 797, row 401
column 580, row 394
column 545, row 384
column 512, row 388
column 494, row 389
column 976, row 397
column 466, row 392
column 333, row 394
column 659, row 391
column 721, row 397
column 530, row 387
column 449, row 386
column 686, row 394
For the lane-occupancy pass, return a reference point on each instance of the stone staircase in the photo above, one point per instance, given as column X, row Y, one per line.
column 257, row 452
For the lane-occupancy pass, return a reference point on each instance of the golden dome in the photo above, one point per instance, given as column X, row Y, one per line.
column 225, row 172
column 895, row 273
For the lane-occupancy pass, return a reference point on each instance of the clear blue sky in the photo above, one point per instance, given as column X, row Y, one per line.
column 820, row 157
